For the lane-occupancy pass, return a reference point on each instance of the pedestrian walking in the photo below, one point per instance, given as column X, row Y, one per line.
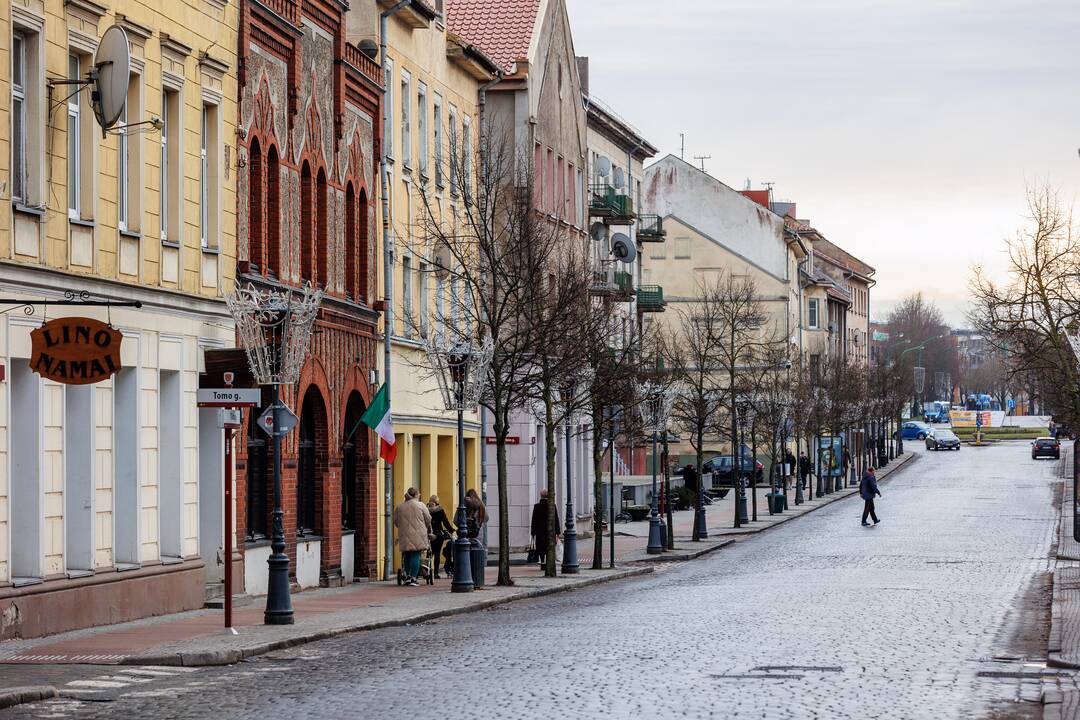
column 442, row 529
column 413, row 524
column 868, row 490
column 792, row 465
column 475, row 512
column 690, row 478
column 540, row 528
column 804, row 469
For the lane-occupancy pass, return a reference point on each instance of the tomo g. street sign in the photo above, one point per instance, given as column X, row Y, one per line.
column 287, row 416
column 229, row 397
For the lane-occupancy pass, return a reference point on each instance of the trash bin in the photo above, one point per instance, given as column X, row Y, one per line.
column 776, row 503
column 478, row 555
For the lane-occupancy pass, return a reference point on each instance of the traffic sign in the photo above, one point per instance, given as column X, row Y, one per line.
column 288, row 420
column 229, row 397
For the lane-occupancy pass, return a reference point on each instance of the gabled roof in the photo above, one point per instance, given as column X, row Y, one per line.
column 502, row 28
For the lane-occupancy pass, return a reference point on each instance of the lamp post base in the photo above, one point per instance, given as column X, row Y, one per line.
column 463, row 580
column 570, row 564
column 278, row 600
column 740, row 505
column 656, row 535
column 701, row 531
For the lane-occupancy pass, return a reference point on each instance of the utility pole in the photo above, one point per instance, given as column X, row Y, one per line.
column 682, row 146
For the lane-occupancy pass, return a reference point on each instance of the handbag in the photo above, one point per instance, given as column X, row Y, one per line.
column 533, row 556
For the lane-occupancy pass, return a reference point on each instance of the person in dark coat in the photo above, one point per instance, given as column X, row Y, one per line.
column 804, row 469
column 793, row 465
column 690, row 478
column 868, row 490
column 443, row 531
column 539, row 528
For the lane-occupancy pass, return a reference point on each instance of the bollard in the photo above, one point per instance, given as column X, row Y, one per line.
column 478, row 556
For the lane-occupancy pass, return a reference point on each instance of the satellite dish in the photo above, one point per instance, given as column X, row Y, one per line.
column 112, row 63
column 598, row 232
column 603, row 167
column 623, row 248
column 619, row 178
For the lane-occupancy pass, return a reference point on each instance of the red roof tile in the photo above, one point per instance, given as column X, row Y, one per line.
column 501, row 28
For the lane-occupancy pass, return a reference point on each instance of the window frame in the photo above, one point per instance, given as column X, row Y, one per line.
column 813, row 314
column 453, row 137
column 406, row 118
column 440, row 176
column 19, row 65
column 74, row 141
column 204, row 181
column 388, row 110
column 422, row 128
column 406, row 296
column 466, row 155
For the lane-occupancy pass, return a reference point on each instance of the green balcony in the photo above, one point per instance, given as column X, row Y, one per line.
column 650, row 228
column 607, row 202
column 618, row 285
column 650, row 298
column 624, row 284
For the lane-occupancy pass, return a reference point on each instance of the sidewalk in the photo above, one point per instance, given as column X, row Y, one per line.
column 36, row 666
column 1063, row 644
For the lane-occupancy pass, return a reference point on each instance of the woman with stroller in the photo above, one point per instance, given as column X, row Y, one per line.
column 443, row 530
column 413, row 524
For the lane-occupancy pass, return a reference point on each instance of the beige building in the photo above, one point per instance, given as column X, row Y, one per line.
column 111, row 493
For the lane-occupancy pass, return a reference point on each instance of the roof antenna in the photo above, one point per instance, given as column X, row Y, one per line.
column 702, row 159
column 682, row 146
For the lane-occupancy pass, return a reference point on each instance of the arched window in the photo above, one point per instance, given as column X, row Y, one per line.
column 362, row 250
column 321, row 242
column 307, row 225
column 350, row 243
column 273, row 213
column 255, row 207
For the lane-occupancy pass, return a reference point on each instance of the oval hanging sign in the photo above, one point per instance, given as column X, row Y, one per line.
column 75, row 350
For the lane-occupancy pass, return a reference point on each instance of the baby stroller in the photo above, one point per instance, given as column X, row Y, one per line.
column 427, row 573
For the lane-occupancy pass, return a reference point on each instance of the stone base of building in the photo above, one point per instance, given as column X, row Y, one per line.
column 104, row 598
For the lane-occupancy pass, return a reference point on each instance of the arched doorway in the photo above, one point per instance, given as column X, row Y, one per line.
column 311, row 464
column 357, row 493
column 259, row 459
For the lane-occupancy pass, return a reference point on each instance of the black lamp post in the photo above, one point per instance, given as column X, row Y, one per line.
column 570, row 564
column 742, row 409
column 457, row 364
column 655, row 408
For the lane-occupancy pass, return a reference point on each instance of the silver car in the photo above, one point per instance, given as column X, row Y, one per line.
column 942, row 439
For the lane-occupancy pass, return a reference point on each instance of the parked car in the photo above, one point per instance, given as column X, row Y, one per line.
column 936, row 412
column 942, row 439
column 1045, row 447
column 721, row 467
column 914, row 429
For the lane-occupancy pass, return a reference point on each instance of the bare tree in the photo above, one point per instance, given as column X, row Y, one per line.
column 1029, row 316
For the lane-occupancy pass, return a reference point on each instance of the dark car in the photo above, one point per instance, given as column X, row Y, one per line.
column 721, row 468
column 1045, row 447
column 942, row 439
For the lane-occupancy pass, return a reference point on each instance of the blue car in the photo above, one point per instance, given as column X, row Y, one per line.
column 914, row 430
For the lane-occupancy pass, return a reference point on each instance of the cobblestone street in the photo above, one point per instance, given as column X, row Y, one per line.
column 938, row 612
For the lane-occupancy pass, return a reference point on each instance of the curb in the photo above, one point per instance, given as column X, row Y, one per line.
column 33, row 693
column 232, row 656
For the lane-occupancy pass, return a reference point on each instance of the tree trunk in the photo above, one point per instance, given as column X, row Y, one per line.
column 753, row 472
column 549, row 457
column 598, row 499
column 667, row 496
column 502, row 429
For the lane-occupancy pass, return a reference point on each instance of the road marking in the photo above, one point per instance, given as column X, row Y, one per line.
column 144, row 671
column 97, row 683
column 171, row 668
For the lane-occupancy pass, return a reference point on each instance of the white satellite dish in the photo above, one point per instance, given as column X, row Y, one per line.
column 623, row 248
column 112, row 65
column 598, row 231
column 619, row 178
column 603, row 166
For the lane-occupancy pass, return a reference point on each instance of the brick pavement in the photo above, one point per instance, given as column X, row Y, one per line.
column 197, row 638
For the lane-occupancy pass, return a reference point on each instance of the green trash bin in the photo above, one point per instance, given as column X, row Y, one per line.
column 777, row 500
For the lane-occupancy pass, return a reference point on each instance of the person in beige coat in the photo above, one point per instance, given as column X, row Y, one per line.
column 413, row 524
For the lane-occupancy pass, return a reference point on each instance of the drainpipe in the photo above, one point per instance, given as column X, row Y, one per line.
column 482, row 101
column 388, row 284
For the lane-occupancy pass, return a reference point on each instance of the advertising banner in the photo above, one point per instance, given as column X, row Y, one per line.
column 830, row 456
column 969, row 418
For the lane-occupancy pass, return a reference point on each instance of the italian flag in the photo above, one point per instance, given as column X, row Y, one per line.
column 377, row 417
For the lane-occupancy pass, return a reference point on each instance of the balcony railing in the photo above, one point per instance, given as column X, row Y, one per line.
column 606, row 201
column 650, row 298
column 608, row 283
column 650, row 228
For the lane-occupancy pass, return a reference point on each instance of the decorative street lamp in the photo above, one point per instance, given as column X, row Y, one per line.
column 460, row 368
column 743, row 408
column 275, row 329
column 655, row 408
column 570, row 565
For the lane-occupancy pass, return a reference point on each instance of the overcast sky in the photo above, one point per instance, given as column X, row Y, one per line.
column 905, row 131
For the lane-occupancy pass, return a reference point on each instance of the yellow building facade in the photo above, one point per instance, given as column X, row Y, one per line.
column 113, row 491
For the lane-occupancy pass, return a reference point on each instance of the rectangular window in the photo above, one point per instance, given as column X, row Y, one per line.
column 549, row 173
column 658, row 251
column 129, row 162
column 422, row 126
column 18, row 118
column 438, row 142
column 406, row 119
column 571, row 197
column 812, row 313
column 560, row 189
column 122, row 171
column 74, row 137
column 388, row 110
column 583, row 212
column 204, row 184
column 455, row 306
column 453, row 151
column 440, row 314
column 407, row 319
column 538, row 176
column 423, row 309
column 466, row 155
column 682, row 248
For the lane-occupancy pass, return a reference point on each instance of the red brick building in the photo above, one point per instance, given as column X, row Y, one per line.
column 308, row 157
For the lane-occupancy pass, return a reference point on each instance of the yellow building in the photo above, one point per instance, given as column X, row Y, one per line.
column 431, row 122
column 113, row 491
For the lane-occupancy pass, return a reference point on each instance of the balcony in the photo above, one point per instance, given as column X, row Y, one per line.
column 650, row 228
column 611, row 283
column 650, row 298
column 607, row 202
